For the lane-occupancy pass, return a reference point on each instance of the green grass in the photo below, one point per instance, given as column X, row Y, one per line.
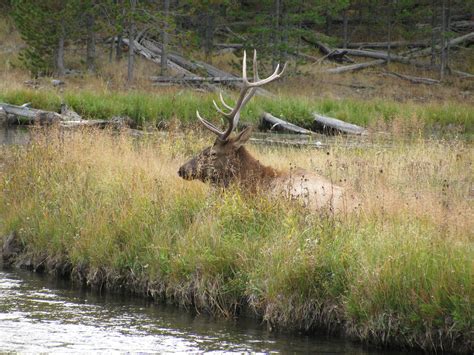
column 155, row 108
column 397, row 274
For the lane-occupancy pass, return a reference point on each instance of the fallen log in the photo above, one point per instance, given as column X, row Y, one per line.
column 462, row 26
column 192, row 79
column 462, row 74
column 198, row 66
column 26, row 115
column 354, row 67
column 329, row 125
column 273, row 123
column 413, row 79
column 378, row 55
column 337, row 55
column 12, row 114
column 452, row 42
column 229, row 45
column 383, row 45
column 156, row 57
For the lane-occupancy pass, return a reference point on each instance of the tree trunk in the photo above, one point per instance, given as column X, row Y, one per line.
column 60, row 51
column 111, row 51
column 328, row 23
column 443, row 41
column 448, row 41
column 131, row 46
column 164, row 35
column 90, row 56
column 389, row 34
column 209, row 36
column 276, row 34
column 433, row 32
column 118, row 49
column 345, row 25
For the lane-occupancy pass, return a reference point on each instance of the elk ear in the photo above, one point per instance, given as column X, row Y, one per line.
column 243, row 137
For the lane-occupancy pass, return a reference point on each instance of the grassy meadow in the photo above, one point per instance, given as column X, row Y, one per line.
column 397, row 272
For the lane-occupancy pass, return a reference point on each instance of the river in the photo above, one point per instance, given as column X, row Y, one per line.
column 39, row 313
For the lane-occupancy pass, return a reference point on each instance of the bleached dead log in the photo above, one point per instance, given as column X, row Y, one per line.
column 378, row 55
column 273, row 123
column 384, row 45
column 329, row 125
column 354, row 67
column 27, row 115
column 192, row 79
column 452, row 42
column 413, row 79
column 462, row 74
column 156, row 57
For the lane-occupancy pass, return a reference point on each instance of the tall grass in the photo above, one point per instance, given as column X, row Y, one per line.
column 399, row 272
column 180, row 106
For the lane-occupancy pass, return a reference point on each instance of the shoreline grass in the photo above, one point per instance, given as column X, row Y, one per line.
column 399, row 273
column 161, row 109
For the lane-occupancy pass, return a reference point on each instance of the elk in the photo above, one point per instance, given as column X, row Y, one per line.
column 228, row 161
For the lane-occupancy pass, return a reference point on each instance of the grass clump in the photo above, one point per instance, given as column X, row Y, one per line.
column 180, row 106
column 397, row 273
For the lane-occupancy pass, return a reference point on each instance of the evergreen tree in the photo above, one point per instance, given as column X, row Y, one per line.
column 44, row 26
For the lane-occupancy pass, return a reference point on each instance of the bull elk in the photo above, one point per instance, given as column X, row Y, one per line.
column 227, row 160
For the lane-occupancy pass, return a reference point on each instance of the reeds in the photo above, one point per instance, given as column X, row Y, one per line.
column 398, row 272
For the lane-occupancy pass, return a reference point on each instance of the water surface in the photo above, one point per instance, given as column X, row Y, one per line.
column 41, row 314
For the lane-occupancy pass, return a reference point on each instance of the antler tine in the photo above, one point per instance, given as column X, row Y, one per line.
column 255, row 70
column 209, row 125
column 218, row 108
column 272, row 77
column 223, row 102
column 244, row 69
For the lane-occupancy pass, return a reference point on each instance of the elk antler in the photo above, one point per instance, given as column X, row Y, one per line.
column 233, row 115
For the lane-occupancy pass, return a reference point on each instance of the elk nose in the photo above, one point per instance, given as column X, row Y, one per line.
column 181, row 172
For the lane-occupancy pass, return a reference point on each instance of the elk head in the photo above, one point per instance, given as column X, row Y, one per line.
column 227, row 159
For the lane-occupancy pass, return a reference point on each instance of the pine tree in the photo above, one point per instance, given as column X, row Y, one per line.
column 45, row 26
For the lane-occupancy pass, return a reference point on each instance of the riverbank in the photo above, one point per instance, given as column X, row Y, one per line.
column 111, row 212
column 161, row 109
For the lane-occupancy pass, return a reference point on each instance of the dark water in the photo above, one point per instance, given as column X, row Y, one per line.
column 41, row 314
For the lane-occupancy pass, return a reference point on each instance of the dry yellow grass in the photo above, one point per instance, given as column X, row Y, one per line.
column 398, row 272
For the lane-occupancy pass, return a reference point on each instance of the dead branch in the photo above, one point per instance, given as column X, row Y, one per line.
column 355, row 67
column 413, row 79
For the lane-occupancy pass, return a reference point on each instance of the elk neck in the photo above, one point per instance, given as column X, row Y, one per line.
column 252, row 172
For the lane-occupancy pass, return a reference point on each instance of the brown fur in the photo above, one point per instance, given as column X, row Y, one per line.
column 229, row 161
